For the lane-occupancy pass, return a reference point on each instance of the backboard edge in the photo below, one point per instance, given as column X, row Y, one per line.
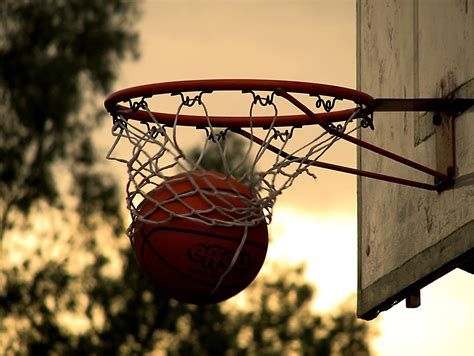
column 453, row 248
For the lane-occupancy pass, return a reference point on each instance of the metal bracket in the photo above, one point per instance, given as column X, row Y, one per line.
column 444, row 110
column 452, row 107
column 445, row 172
column 413, row 299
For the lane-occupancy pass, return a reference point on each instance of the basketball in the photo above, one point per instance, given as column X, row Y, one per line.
column 185, row 256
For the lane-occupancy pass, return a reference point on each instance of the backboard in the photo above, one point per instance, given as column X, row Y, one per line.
column 408, row 237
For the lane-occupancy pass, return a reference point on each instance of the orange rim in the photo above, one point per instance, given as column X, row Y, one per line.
column 114, row 107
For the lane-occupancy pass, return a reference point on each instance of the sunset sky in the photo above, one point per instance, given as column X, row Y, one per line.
column 314, row 221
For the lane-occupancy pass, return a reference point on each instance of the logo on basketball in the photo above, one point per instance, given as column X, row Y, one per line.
column 217, row 258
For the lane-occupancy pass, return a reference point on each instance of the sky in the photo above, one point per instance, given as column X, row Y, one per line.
column 314, row 221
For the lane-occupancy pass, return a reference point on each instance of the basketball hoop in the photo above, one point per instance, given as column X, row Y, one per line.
column 153, row 134
column 156, row 155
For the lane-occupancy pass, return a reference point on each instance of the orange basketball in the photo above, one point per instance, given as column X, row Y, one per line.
column 186, row 258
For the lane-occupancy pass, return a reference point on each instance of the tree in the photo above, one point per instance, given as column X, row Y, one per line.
column 235, row 155
column 54, row 56
column 132, row 318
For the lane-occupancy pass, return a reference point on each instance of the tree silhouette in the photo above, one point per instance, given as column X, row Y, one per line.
column 53, row 56
column 276, row 317
column 90, row 297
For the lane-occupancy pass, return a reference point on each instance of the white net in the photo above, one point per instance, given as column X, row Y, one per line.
column 242, row 194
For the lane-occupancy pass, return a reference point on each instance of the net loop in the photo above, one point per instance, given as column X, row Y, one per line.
column 328, row 105
column 137, row 105
column 218, row 136
column 191, row 101
column 367, row 120
column 283, row 135
column 258, row 99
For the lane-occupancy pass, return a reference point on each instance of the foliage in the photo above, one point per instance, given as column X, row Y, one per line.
column 53, row 56
column 233, row 148
column 274, row 317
